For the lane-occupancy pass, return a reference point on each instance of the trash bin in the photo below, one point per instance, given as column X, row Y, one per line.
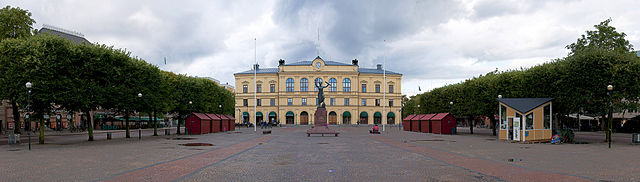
column 108, row 135
column 635, row 138
column 453, row 130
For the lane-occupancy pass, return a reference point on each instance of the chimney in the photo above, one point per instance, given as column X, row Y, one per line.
column 355, row 62
column 379, row 66
column 281, row 62
column 256, row 67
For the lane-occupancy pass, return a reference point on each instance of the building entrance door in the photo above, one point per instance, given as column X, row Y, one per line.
column 304, row 118
column 333, row 118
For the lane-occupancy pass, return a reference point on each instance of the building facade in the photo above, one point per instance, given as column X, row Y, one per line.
column 287, row 94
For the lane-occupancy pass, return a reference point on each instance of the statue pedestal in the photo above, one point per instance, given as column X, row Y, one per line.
column 320, row 124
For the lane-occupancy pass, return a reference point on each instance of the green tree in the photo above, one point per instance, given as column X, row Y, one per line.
column 604, row 37
column 15, row 23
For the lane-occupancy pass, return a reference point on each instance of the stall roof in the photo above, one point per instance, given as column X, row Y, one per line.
column 201, row 116
column 524, row 105
column 439, row 116
column 213, row 116
column 230, row 117
column 222, row 116
column 427, row 117
column 409, row 117
column 417, row 117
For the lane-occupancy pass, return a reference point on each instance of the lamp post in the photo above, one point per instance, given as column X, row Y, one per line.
column 69, row 122
column 58, row 122
column 417, row 112
column 28, row 85
column 190, row 111
column 451, row 107
column 609, row 132
column 139, row 121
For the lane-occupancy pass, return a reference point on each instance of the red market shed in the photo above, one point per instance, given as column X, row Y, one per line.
column 225, row 122
column 406, row 122
column 443, row 123
column 425, row 124
column 216, row 123
column 198, row 123
column 232, row 123
column 415, row 123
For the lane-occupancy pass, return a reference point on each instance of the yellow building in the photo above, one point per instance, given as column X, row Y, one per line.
column 287, row 94
column 525, row 119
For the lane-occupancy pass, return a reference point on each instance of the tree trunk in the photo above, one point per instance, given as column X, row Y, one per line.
column 178, row 132
column 471, row 125
column 126, row 121
column 41, row 136
column 16, row 117
column 90, row 121
column 155, row 124
column 492, row 122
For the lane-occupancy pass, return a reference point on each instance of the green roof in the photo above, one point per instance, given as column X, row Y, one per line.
column 135, row 118
column 363, row 114
column 347, row 114
column 272, row 114
column 289, row 113
column 377, row 114
column 390, row 114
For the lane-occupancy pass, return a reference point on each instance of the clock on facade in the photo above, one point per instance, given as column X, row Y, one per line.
column 318, row 65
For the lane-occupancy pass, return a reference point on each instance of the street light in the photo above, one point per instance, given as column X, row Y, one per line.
column 139, row 121
column 190, row 110
column 609, row 91
column 58, row 122
column 28, row 85
column 450, row 107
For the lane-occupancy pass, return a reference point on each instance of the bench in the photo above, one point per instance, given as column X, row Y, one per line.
column 332, row 133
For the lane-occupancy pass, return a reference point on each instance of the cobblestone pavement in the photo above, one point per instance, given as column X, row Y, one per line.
column 288, row 155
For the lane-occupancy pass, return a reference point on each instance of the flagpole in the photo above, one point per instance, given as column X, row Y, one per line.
column 384, row 86
column 255, row 84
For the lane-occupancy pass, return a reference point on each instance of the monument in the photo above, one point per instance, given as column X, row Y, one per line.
column 320, row 123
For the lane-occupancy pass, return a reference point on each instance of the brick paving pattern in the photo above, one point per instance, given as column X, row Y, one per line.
column 288, row 155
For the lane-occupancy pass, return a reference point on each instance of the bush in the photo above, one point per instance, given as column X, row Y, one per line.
column 566, row 135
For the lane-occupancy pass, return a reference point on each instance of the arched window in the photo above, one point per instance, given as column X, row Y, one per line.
column 346, row 85
column 290, row 85
column 318, row 80
column 304, row 85
column 333, row 85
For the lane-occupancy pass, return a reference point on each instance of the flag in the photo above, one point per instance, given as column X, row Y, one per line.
column 419, row 88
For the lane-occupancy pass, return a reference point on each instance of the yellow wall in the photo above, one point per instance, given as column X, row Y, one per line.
column 538, row 132
column 311, row 73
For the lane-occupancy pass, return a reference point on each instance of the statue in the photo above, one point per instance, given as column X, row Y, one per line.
column 321, row 93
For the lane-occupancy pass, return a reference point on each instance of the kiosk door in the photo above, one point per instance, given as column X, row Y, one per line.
column 516, row 128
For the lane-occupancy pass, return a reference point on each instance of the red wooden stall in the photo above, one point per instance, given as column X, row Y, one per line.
column 406, row 122
column 198, row 123
column 425, row 126
column 232, row 122
column 225, row 122
column 216, row 123
column 415, row 123
column 443, row 123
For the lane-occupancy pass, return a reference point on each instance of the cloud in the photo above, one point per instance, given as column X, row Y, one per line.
column 432, row 43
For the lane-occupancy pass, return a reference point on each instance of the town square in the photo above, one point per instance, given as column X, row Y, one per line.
column 416, row 90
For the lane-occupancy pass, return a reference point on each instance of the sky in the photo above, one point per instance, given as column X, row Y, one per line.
column 432, row 43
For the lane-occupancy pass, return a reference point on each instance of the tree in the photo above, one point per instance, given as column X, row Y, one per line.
column 15, row 23
column 604, row 37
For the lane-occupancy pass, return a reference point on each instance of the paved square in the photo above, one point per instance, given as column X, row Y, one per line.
column 288, row 155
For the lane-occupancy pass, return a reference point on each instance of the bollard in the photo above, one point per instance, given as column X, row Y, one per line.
column 108, row 135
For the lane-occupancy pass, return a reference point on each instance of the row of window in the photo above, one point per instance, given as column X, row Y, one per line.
column 304, row 86
column 528, row 119
column 332, row 102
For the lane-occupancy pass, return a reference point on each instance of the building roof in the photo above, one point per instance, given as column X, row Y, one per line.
column 417, row 117
column 376, row 71
column 260, row 71
column 66, row 34
column 524, row 105
column 230, row 117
